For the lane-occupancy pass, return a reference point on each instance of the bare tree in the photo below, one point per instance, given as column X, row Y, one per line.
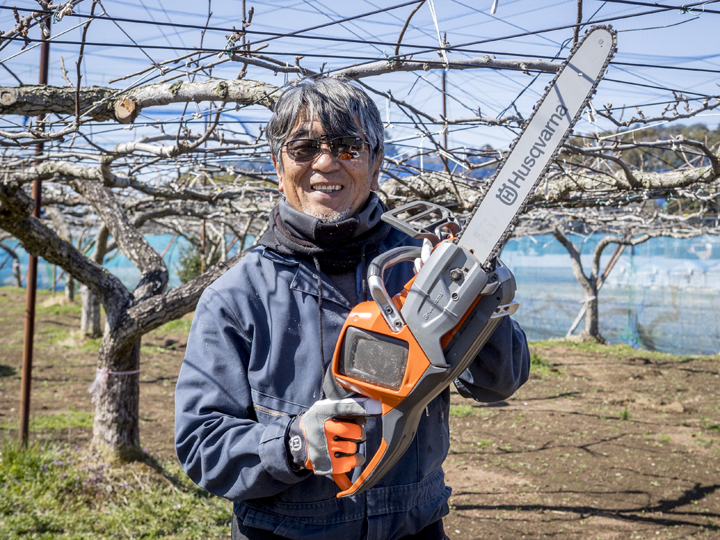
column 625, row 227
column 183, row 181
column 12, row 256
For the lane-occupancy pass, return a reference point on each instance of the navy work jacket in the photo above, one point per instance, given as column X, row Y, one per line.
column 253, row 362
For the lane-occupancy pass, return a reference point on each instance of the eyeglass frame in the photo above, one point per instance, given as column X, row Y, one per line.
column 327, row 140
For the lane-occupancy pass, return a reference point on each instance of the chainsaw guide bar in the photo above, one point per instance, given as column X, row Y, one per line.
column 532, row 152
column 403, row 351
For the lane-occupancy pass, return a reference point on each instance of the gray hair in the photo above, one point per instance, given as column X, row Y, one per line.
column 338, row 104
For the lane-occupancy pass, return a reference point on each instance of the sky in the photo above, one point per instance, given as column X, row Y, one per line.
column 652, row 45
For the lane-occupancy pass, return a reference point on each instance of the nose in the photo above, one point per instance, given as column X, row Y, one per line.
column 325, row 160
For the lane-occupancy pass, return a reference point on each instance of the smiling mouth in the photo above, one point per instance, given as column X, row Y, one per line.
column 327, row 188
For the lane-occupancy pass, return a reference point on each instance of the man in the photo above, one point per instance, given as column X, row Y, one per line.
column 252, row 424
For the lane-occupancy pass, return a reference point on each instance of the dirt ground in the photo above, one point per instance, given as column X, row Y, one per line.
column 601, row 443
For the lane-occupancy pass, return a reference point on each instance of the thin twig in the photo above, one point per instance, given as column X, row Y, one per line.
column 407, row 22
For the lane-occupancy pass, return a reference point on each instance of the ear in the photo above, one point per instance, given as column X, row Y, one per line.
column 374, row 183
column 280, row 175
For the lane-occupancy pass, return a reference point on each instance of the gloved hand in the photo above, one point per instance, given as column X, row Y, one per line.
column 324, row 439
column 425, row 252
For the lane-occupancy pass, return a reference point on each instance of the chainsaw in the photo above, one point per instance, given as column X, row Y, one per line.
column 405, row 350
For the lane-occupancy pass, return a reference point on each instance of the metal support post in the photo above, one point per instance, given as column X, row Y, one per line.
column 31, row 286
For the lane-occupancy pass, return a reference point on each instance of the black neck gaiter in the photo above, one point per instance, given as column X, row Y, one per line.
column 337, row 246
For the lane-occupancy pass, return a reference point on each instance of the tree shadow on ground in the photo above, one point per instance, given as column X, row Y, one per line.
column 545, row 446
column 638, row 514
column 7, row 371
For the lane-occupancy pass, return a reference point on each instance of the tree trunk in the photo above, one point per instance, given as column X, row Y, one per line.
column 589, row 284
column 17, row 273
column 116, row 429
column 90, row 318
column 69, row 288
column 592, row 320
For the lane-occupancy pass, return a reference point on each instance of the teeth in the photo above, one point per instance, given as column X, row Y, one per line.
column 327, row 188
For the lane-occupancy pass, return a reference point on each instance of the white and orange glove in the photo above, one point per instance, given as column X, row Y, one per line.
column 325, row 438
column 425, row 252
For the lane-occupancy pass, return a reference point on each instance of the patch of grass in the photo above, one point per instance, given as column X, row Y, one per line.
column 616, row 349
column 74, row 339
column 538, row 361
column 707, row 443
column 55, row 492
column 52, row 334
column 178, row 325
column 16, row 290
column 462, row 410
column 59, row 308
column 91, row 344
column 623, row 349
column 153, row 349
column 625, row 414
column 541, row 365
column 71, row 419
column 709, row 425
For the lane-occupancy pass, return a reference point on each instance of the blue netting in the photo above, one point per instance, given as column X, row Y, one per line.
column 661, row 295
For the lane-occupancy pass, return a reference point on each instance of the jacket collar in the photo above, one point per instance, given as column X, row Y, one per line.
column 394, row 239
column 305, row 279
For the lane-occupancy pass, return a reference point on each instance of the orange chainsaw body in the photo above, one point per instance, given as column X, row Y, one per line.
column 367, row 316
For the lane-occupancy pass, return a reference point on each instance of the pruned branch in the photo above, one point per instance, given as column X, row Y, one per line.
column 588, row 282
column 706, row 105
column 103, row 104
column 64, row 170
column 382, row 67
column 132, row 243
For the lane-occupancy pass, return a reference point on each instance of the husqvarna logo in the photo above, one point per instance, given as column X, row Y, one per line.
column 432, row 307
column 508, row 194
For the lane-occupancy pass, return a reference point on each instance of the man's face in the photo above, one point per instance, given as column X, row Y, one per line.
column 327, row 188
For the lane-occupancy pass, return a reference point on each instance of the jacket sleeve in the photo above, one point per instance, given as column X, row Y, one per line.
column 501, row 367
column 218, row 440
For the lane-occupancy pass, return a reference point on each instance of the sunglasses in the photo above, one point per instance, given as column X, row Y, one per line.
column 303, row 150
